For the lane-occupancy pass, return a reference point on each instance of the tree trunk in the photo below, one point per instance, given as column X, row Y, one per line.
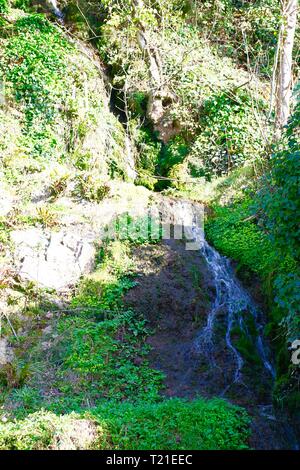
column 285, row 77
column 160, row 98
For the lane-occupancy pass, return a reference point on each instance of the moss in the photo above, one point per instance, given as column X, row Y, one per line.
column 246, row 346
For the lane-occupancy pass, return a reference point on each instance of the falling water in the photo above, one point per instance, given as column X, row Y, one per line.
column 232, row 300
column 58, row 13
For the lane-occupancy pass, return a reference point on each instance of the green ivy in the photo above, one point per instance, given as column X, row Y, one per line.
column 229, row 135
column 33, row 65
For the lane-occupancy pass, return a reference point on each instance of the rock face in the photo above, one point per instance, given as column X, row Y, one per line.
column 52, row 259
column 6, row 202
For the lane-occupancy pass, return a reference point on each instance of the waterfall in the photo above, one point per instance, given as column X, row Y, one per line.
column 58, row 13
column 231, row 301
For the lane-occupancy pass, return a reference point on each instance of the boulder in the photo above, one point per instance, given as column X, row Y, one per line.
column 53, row 260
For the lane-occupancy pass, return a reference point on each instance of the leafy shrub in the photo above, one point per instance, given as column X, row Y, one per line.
column 138, row 230
column 173, row 153
column 170, row 425
column 228, row 137
column 233, row 232
column 149, row 150
column 22, row 4
column 280, row 201
column 34, row 68
column 45, row 430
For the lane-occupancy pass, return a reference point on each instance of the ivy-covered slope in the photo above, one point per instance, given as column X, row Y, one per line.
column 55, row 106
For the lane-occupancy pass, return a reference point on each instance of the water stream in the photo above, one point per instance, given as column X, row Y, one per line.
column 232, row 305
column 57, row 12
column 234, row 302
column 232, row 313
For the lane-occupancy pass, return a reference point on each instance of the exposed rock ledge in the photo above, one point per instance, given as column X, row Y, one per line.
column 56, row 259
column 52, row 259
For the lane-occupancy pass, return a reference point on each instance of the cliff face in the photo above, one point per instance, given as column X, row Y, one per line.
column 61, row 151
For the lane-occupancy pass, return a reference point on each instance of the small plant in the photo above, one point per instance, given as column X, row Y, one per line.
column 59, row 185
column 91, row 188
column 14, row 374
column 46, row 217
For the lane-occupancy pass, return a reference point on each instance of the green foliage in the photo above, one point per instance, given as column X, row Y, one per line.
column 33, row 66
column 175, row 424
column 257, row 37
column 36, row 56
column 47, row 79
column 103, row 355
column 171, row 425
column 173, row 153
column 91, row 187
column 3, row 6
column 210, row 111
column 100, row 350
column 138, row 230
column 22, row 4
column 245, row 343
column 35, row 432
column 279, row 203
column 149, row 150
column 229, row 135
column 44, row 430
column 233, row 232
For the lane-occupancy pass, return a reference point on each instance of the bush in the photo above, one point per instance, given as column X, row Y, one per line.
column 279, row 203
column 44, row 430
column 233, row 232
column 170, row 425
